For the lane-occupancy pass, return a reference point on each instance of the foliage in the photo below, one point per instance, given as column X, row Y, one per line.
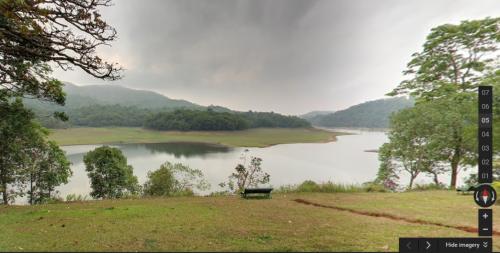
column 174, row 180
column 271, row 119
column 73, row 197
column 247, row 176
column 27, row 159
column 429, row 187
column 329, row 187
column 453, row 60
column 424, row 137
column 209, row 120
column 371, row 114
column 36, row 33
column 47, row 169
column 110, row 175
column 309, row 186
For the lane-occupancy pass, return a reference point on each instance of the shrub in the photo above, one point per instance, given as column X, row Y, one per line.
column 309, row 186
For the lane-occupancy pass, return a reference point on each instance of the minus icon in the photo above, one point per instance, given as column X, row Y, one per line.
column 485, row 229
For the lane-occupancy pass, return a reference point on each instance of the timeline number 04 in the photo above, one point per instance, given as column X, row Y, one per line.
column 485, row 134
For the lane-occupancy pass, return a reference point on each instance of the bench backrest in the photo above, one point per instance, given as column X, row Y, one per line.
column 258, row 190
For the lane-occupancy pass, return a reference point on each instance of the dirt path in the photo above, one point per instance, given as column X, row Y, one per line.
column 388, row 216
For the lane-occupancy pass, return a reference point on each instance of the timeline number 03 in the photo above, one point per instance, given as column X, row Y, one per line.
column 485, row 148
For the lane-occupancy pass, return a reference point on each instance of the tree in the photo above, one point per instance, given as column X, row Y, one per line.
column 409, row 148
column 49, row 169
column 173, row 180
column 27, row 160
column 247, row 176
column 35, row 33
column 110, row 175
column 453, row 60
column 426, row 137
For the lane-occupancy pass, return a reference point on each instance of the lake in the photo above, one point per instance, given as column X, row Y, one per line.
column 342, row 161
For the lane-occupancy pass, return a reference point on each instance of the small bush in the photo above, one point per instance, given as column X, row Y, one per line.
column 429, row 187
column 309, row 186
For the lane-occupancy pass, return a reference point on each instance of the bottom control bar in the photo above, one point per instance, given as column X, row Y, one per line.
column 445, row 245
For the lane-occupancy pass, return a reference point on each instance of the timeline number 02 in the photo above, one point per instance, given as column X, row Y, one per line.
column 485, row 161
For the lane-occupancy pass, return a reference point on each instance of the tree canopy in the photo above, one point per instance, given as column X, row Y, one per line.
column 110, row 175
column 35, row 34
column 453, row 59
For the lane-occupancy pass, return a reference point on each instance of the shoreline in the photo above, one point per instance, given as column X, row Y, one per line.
column 261, row 137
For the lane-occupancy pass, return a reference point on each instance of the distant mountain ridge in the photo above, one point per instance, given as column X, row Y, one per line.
column 310, row 115
column 371, row 114
column 115, row 94
column 78, row 96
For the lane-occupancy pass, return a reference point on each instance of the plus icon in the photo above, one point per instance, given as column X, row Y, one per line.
column 485, row 215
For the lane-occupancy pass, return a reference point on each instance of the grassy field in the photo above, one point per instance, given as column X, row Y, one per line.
column 283, row 223
column 260, row 137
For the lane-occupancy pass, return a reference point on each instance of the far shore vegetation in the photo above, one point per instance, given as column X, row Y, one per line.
column 259, row 137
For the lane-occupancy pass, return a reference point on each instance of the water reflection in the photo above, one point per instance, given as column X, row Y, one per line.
column 186, row 149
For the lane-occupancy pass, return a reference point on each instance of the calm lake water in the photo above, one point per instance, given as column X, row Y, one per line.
column 343, row 161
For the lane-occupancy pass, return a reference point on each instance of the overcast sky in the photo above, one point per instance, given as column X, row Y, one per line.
column 289, row 57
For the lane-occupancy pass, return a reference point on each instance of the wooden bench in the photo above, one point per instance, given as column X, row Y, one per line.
column 247, row 191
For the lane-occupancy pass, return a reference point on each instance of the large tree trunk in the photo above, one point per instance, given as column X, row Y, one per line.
column 454, row 168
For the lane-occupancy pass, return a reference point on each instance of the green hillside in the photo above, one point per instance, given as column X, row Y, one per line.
column 371, row 114
column 310, row 115
column 115, row 94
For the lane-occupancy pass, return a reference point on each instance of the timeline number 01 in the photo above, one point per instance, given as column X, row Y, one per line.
column 484, row 175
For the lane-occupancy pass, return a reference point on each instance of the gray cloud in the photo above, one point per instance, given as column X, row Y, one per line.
column 284, row 56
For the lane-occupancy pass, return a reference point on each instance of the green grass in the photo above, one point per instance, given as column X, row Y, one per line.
column 260, row 137
column 236, row 224
column 329, row 187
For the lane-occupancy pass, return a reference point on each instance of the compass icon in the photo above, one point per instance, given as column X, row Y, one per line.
column 485, row 196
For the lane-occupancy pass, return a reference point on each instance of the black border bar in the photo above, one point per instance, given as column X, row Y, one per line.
column 472, row 244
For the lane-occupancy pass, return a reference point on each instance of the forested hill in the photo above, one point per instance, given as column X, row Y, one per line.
column 310, row 115
column 372, row 114
column 115, row 94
